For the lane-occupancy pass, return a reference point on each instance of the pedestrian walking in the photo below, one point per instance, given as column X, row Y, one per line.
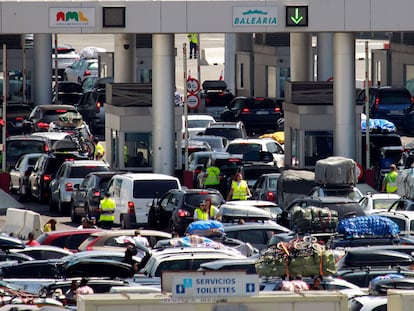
column 50, row 225
column 239, row 189
column 99, row 149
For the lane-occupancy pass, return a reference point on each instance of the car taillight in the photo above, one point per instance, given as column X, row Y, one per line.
column 97, row 194
column 277, row 109
column 98, row 107
column 245, row 110
column 207, row 100
column 91, row 244
column 270, row 196
column 183, row 213
column 68, row 186
column 377, row 101
column 196, row 172
column 43, row 125
column 131, row 208
column 19, row 119
column 86, row 73
column 46, row 148
column 47, row 178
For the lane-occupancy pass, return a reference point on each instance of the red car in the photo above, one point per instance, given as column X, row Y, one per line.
column 68, row 239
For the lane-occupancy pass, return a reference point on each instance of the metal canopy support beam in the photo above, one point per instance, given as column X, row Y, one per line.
column 163, row 87
column 42, row 67
column 344, row 95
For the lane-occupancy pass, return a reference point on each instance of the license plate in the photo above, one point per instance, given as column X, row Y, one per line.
column 261, row 112
column 396, row 112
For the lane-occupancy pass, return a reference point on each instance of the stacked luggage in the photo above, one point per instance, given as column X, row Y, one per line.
column 368, row 226
column 313, row 219
column 300, row 257
column 293, row 184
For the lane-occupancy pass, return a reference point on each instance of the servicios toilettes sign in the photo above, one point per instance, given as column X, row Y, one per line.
column 255, row 16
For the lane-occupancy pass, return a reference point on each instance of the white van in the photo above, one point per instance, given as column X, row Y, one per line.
column 133, row 192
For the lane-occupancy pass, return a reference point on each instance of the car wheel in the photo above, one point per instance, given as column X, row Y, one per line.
column 151, row 221
column 52, row 204
column 62, row 208
column 22, row 193
column 73, row 217
column 124, row 222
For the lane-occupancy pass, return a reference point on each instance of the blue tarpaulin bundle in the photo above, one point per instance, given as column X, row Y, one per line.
column 372, row 225
column 377, row 125
column 205, row 228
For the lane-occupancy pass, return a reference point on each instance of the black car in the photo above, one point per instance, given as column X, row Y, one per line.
column 344, row 206
column 175, row 209
column 19, row 145
column 90, row 105
column 15, row 114
column 216, row 96
column 42, row 115
column 67, row 93
column 44, row 171
column 259, row 114
column 87, row 196
column 362, row 276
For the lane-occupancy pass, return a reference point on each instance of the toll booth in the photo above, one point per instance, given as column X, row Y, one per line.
column 310, row 123
column 128, row 127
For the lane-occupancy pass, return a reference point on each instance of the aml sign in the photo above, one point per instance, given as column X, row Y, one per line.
column 255, row 16
column 72, row 17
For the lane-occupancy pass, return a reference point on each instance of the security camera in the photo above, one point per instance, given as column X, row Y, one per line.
column 126, row 46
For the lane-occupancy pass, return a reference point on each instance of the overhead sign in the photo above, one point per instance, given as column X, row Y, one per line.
column 193, row 101
column 255, row 16
column 193, row 86
column 207, row 284
column 297, row 16
column 72, row 17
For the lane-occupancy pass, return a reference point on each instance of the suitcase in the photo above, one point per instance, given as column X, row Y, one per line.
column 336, row 171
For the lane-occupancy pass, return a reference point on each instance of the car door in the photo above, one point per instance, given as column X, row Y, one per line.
column 15, row 174
column 55, row 183
column 278, row 153
column 114, row 188
column 79, row 195
column 258, row 188
column 34, row 178
column 166, row 208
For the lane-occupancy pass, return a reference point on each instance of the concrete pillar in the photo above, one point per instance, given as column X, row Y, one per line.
column 230, row 61
column 42, row 69
column 344, row 95
column 325, row 56
column 163, row 78
column 125, row 58
column 301, row 57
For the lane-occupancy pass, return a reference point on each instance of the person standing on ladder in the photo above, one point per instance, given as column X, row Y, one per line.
column 192, row 38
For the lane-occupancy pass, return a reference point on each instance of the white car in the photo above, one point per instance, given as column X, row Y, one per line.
column 81, row 69
column 196, row 123
column 243, row 146
column 19, row 174
column 368, row 303
column 71, row 173
column 376, row 202
column 133, row 194
column 404, row 220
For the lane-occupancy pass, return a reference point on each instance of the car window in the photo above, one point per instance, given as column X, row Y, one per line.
column 18, row 148
column 103, row 182
column 383, row 203
column 193, row 199
column 82, row 171
column 400, row 222
column 229, row 133
column 273, row 183
column 198, row 123
column 53, row 165
column 52, row 115
column 243, row 148
column 75, row 240
column 153, row 188
column 394, row 97
column 260, row 103
column 32, row 161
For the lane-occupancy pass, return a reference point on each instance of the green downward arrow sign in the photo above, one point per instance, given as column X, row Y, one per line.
column 297, row 18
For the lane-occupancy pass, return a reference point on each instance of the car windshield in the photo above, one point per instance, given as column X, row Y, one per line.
column 153, row 188
column 52, row 115
column 193, row 199
column 198, row 123
column 82, row 171
column 243, row 148
column 383, row 203
column 19, row 147
column 229, row 133
column 390, row 98
column 260, row 103
column 353, row 194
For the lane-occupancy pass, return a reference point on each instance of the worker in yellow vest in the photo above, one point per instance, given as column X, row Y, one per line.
column 201, row 212
column 212, row 177
column 193, row 39
column 239, row 189
column 107, row 209
column 389, row 183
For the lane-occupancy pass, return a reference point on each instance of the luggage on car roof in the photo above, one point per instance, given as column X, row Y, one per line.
column 368, row 226
column 294, row 184
column 335, row 171
column 313, row 219
column 379, row 285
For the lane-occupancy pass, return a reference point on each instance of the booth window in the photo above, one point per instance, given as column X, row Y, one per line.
column 318, row 145
column 113, row 17
column 137, row 150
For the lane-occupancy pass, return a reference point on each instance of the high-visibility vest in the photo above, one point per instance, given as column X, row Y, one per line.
column 107, row 210
column 201, row 215
column 239, row 190
column 391, row 182
column 213, row 176
column 192, row 37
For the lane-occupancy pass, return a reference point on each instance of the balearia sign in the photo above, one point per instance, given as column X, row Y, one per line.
column 72, row 17
column 255, row 16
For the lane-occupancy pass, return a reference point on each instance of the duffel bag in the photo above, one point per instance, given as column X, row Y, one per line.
column 301, row 219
